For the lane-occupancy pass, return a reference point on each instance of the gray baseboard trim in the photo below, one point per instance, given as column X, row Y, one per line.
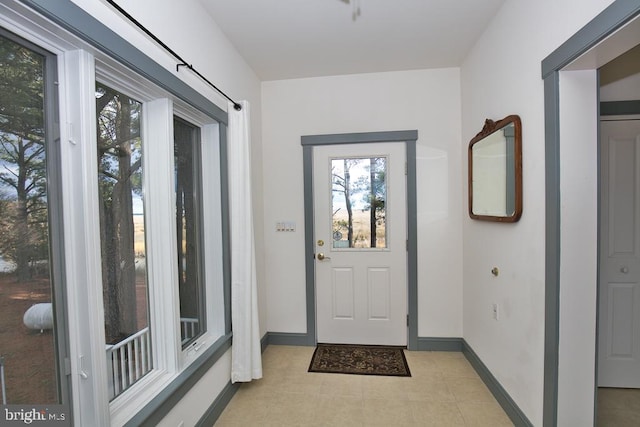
column 510, row 407
column 264, row 342
column 215, row 410
column 439, row 344
column 287, row 338
column 424, row 344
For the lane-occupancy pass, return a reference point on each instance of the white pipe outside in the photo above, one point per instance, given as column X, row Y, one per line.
column 4, row 389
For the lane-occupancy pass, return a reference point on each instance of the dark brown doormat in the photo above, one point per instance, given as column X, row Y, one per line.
column 360, row 359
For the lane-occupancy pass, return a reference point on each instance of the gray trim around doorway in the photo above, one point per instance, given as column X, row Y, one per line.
column 619, row 13
column 409, row 137
column 611, row 19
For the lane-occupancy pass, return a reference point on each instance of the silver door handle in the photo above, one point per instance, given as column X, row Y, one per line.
column 624, row 269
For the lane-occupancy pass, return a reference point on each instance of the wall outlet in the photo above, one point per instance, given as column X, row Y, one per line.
column 495, row 311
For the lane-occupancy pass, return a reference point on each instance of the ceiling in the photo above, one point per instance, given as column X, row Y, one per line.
column 285, row 39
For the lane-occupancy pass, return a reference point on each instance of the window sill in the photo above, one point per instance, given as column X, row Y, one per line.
column 153, row 412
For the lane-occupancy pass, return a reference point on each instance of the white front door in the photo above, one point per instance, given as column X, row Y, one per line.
column 619, row 291
column 360, row 243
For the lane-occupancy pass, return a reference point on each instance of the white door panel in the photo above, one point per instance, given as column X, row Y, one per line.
column 619, row 293
column 361, row 291
column 379, row 293
column 343, row 298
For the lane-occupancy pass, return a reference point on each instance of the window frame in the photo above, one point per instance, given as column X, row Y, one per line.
column 211, row 269
column 198, row 215
column 55, row 211
column 169, row 357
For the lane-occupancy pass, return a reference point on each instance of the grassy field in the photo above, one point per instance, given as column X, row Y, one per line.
column 361, row 228
column 138, row 235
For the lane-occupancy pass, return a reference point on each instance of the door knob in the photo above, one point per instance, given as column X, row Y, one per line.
column 322, row 257
column 624, row 269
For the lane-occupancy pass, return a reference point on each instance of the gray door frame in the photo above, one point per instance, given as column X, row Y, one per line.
column 409, row 138
column 614, row 17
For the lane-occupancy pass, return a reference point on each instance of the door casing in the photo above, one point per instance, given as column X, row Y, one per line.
column 610, row 20
column 409, row 138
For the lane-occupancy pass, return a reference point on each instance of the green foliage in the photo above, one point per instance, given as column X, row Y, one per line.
column 118, row 141
column 119, row 160
column 23, row 180
column 374, row 187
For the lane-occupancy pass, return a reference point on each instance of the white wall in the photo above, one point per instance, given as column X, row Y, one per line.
column 186, row 27
column 579, row 256
column 501, row 76
column 426, row 100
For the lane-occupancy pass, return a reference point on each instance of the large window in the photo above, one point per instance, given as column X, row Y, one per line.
column 145, row 290
column 28, row 372
column 122, row 238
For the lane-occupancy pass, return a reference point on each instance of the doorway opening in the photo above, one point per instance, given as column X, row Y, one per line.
column 409, row 139
column 570, row 81
column 618, row 352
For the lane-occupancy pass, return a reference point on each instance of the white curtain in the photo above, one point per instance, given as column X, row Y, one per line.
column 246, row 357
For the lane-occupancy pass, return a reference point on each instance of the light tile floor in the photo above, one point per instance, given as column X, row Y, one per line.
column 618, row 407
column 444, row 390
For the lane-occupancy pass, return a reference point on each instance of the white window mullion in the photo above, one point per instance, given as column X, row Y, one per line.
column 160, row 202
column 211, row 207
column 81, row 234
column 161, row 251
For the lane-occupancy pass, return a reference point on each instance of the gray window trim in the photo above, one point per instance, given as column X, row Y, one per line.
column 409, row 138
column 226, row 228
column 606, row 23
column 153, row 412
column 75, row 20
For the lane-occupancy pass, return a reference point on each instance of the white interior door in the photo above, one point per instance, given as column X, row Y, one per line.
column 361, row 270
column 619, row 317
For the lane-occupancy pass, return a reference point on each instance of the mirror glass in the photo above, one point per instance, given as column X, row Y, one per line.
column 495, row 171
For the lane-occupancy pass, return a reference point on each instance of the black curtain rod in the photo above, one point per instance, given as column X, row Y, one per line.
column 182, row 63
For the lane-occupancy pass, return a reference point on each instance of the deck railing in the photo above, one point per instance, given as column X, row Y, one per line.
column 128, row 361
column 189, row 328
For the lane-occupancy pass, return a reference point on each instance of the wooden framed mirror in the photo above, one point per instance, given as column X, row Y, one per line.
column 495, row 171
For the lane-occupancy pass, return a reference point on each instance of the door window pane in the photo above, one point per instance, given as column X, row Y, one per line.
column 27, row 341
column 187, row 179
column 122, row 239
column 359, row 194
